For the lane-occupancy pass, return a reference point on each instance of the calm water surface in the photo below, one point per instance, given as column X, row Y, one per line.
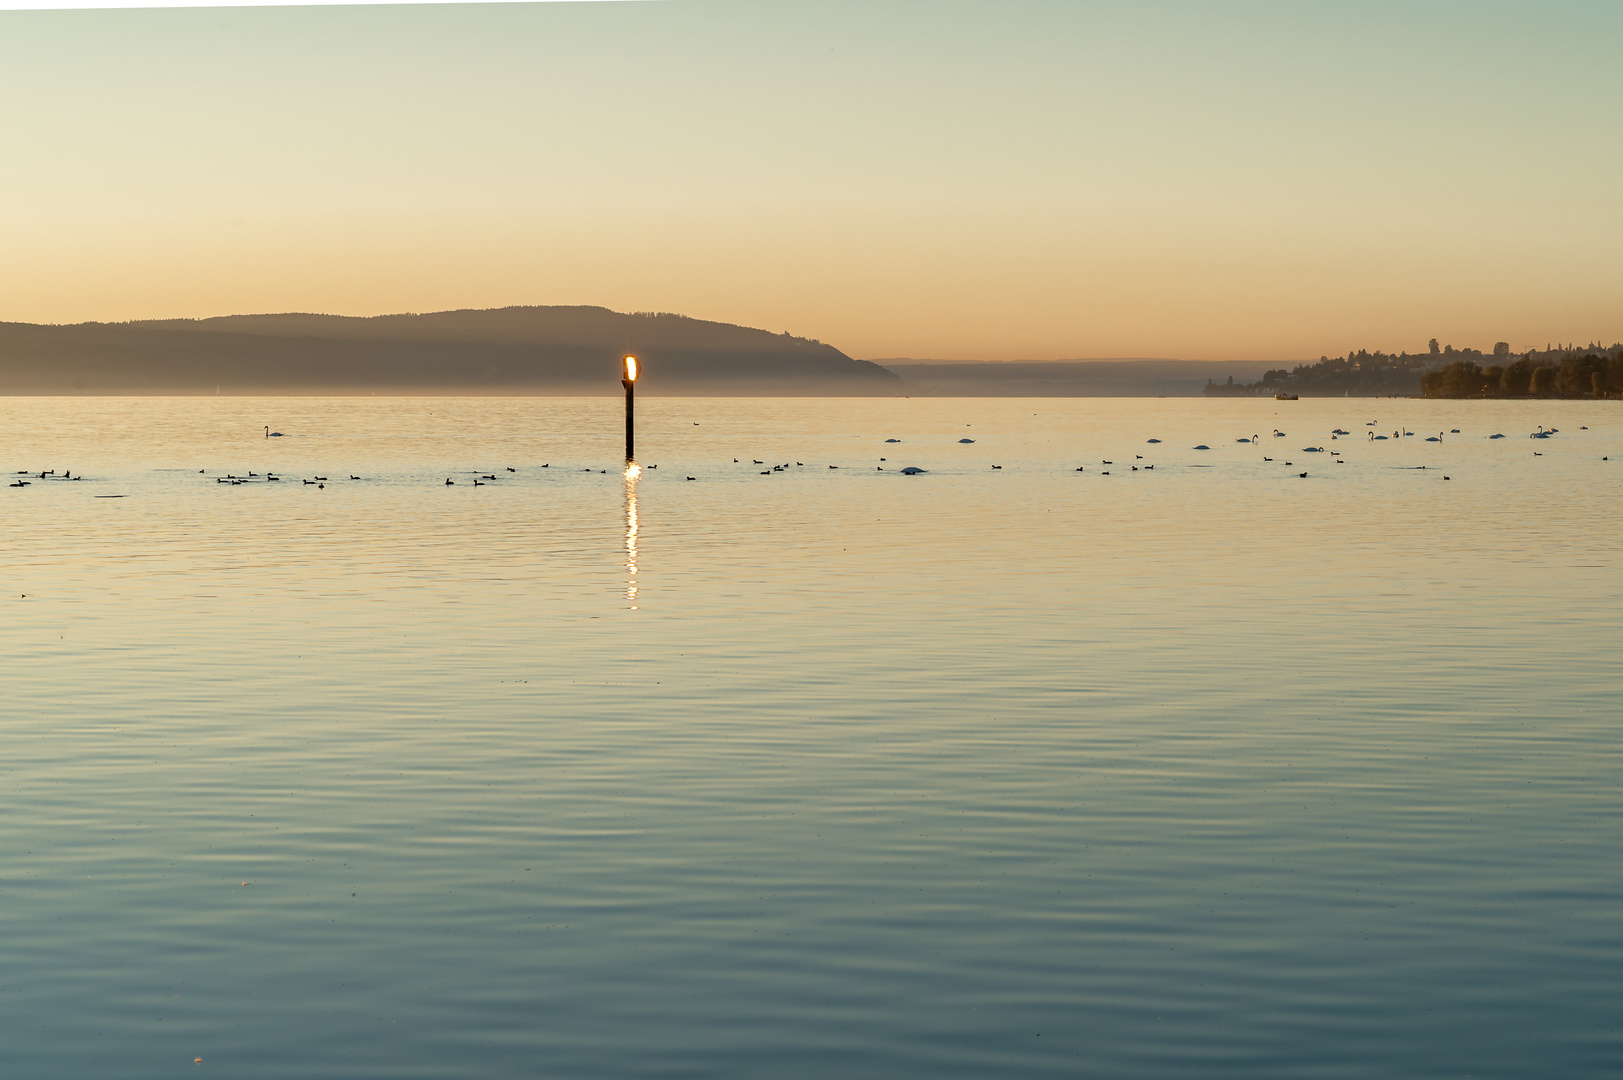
column 1202, row 769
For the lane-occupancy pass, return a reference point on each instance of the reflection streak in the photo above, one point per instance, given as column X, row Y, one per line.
column 633, row 471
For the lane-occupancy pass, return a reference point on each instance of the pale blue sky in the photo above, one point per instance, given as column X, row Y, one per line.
column 951, row 179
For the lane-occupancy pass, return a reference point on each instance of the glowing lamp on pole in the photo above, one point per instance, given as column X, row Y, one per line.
column 628, row 379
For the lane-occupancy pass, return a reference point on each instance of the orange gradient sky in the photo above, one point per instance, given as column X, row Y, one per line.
column 941, row 179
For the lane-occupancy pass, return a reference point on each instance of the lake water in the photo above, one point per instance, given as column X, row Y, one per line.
column 1206, row 769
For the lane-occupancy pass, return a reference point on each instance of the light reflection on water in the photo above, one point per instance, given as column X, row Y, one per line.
column 1025, row 771
column 632, row 472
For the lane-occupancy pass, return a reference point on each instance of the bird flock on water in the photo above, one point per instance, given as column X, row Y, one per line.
column 486, row 478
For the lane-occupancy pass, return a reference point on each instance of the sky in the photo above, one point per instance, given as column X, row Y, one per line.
column 948, row 180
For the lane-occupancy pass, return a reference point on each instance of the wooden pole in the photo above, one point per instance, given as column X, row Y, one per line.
column 631, row 399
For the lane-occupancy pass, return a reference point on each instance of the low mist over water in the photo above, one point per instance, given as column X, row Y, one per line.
column 1108, row 744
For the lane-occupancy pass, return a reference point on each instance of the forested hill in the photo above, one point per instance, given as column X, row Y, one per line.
column 503, row 350
column 1360, row 374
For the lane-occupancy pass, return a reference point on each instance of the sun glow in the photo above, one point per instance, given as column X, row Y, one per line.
column 631, row 369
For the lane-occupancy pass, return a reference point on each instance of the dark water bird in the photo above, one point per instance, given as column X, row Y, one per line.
column 651, row 467
column 1242, row 440
column 1105, row 473
column 1267, row 459
column 834, row 466
column 1537, row 454
column 511, row 469
column 20, row 483
column 1453, row 431
column 448, row 481
column 1497, row 436
column 997, row 466
column 758, row 461
column 735, row 461
column 318, row 478
column 1312, row 449
column 1278, row 434
column 269, row 434
column 352, row 478
column 312, row 481
column 276, row 479
column 800, row 463
column 1435, row 438
column 1140, row 457
column 201, row 471
column 1079, row 468
column 1372, row 423
column 256, row 474
column 1135, row 468
column 1107, row 462
column 690, row 478
column 912, row 470
column 766, row 472
column 1202, row 446
column 1302, row 475
column 1448, row 478
column 321, row 487
column 881, row 468
column 478, row 483
column 966, row 440
column 884, row 459
column 1149, row 466
column 548, row 464
column 487, row 476
column 1152, row 440
column 1338, row 431
column 893, row 440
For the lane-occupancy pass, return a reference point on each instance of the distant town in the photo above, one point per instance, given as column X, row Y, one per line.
column 1557, row 371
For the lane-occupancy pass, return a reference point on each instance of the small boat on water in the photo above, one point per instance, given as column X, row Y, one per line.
column 1284, row 397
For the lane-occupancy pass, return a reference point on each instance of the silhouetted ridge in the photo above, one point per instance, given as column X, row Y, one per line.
column 515, row 349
